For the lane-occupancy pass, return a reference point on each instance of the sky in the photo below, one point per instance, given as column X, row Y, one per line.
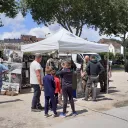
column 14, row 28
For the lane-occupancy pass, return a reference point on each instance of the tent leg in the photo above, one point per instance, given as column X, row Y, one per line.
column 107, row 72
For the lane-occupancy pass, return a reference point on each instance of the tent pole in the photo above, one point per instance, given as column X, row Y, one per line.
column 107, row 71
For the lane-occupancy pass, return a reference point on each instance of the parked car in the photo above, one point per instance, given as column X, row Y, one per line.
column 117, row 62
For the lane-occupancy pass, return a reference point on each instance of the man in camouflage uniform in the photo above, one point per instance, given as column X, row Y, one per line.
column 83, row 72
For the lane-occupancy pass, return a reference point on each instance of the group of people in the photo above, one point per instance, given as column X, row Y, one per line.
column 92, row 72
column 55, row 83
column 58, row 83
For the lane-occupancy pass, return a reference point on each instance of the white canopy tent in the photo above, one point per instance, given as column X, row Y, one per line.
column 64, row 42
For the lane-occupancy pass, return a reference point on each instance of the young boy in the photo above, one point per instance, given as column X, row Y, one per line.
column 49, row 91
column 66, row 76
column 58, row 88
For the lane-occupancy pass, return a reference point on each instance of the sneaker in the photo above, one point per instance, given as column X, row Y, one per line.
column 62, row 115
column 46, row 115
column 74, row 114
column 35, row 110
column 41, row 108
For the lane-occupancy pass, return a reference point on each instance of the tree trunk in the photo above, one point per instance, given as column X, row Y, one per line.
column 77, row 30
column 80, row 31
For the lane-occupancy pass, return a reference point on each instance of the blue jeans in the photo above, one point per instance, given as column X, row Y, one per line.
column 36, row 96
column 53, row 103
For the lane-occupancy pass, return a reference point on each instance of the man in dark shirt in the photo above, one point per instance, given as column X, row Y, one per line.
column 66, row 75
column 93, row 69
column 103, row 75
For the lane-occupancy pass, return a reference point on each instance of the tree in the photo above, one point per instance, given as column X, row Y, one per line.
column 112, row 18
column 109, row 16
column 71, row 14
column 104, row 54
column 119, row 56
column 9, row 8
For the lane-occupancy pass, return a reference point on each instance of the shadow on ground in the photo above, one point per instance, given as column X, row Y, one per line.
column 10, row 101
column 105, row 98
column 79, row 112
column 112, row 91
column 112, row 87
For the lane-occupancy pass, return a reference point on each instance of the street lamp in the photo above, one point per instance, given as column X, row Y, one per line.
column 47, row 34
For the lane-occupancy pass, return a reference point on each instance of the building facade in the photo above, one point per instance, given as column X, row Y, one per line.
column 114, row 45
column 15, row 44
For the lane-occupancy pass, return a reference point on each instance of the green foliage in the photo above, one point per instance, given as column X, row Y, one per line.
column 1, row 53
column 9, row 8
column 27, row 53
column 68, row 13
column 111, row 56
column 109, row 16
column 119, row 56
column 104, row 55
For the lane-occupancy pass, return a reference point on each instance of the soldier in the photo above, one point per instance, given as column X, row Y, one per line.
column 93, row 69
column 51, row 62
column 83, row 72
column 104, row 75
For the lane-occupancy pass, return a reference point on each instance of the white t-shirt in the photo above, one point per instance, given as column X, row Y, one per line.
column 33, row 67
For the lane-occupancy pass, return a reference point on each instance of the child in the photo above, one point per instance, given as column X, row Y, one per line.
column 58, row 88
column 60, row 95
column 49, row 91
column 66, row 75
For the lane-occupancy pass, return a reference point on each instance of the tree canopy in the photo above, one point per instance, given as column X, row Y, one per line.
column 9, row 8
column 68, row 13
column 109, row 16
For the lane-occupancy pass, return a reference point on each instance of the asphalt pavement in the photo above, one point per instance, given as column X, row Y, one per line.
column 115, row 118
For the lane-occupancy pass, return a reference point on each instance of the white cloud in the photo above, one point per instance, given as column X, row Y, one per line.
column 37, row 31
column 40, row 31
column 93, row 35
column 18, row 28
column 14, row 24
column 12, row 35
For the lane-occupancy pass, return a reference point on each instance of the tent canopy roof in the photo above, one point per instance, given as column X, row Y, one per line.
column 64, row 42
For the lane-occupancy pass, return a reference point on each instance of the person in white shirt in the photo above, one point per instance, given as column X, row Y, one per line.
column 36, row 77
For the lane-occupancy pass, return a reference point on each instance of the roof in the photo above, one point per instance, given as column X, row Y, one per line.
column 39, row 39
column 13, row 40
column 65, row 42
column 114, row 42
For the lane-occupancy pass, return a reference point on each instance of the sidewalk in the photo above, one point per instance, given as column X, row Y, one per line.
column 15, row 112
column 115, row 118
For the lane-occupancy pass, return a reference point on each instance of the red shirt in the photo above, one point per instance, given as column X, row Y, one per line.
column 57, row 83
